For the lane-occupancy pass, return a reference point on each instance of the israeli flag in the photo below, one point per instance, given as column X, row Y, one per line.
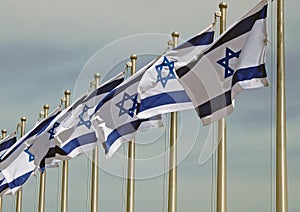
column 75, row 135
column 159, row 90
column 5, row 144
column 17, row 163
column 4, row 188
column 115, row 120
column 233, row 62
column 42, row 143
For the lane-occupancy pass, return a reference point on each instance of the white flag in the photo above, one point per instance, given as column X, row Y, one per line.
column 159, row 89
column 233, row 62
column 75, row 135
column 115, row 118
column 17, row 163
column 5, row 144
column 43, row 144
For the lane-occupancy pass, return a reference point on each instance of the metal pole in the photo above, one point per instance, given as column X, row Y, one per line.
column 221, row 166
column 172, row 189
column 65, row 168
column 281, row 162
column 131, row 158
column 3, row 136
column 19, row 193
column 95, row 171
column 4, row 131
column 41, row 206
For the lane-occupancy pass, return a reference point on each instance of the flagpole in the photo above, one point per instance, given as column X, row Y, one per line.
column 65, row 168
column 131, row 158
column 172, row 189
column 3, row 136
column 19, row 193
column 221, row 166
column 41, row 206
column 281, row 162
column 95, row 172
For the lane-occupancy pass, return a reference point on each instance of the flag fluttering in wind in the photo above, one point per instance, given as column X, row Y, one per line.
column 5, row 144
column 17, row 163
column 70, row 133
column 115, row 120
column 159, row 89
column 43, row 142
column 75, row 135
column 233, row 62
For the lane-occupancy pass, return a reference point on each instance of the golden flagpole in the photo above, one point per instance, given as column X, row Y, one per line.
column 41, row 206
column 172, row 189
column 131, row 158
column 95, row 171
column 221, row 166
column 65, row 168
column 281, row 162
column 3, row 136
column 19, row 193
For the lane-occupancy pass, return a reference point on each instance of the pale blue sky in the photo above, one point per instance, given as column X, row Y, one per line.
column 44, row 46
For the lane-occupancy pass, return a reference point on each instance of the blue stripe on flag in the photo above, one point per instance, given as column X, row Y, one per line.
column 199, row 40
column 36, row 131
column 239, row 29
column 104, row 89
column 75, row 105
column 41, row 127
column 68, row 148
column 5, row 145
column 3, row 187
column 164, row 99
column 108, row 97
column 214, row 104
column 116, row 91
column 79, row 141
column 123, row 130
column 249, row 73
column 185, row 69
column 19, row 181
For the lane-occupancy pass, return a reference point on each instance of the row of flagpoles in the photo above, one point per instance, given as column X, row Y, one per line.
column 281, row 172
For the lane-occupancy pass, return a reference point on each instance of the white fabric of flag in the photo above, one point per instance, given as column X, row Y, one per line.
column 4, row 188
column 159, row 89
column 233, row 62
column 5, row 144
column 115, row 120
column 44, row 146
column 75, row 135
column 17, row 163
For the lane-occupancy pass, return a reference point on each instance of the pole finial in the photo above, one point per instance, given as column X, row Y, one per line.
column 23, row 118
column 133, row 57
column 46, row 107
column 175, row 34
column 67, row 92
column 4, row 131
column 97, row 75
column 222, row 5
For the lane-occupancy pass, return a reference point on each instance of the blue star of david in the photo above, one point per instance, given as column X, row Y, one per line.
column 225, row 61
column 52, row 130
column 125, row 109
column 159, row 68
column 86, row 123
column 31, row 156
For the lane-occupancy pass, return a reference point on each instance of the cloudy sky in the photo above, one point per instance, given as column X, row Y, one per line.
column 47, row 47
